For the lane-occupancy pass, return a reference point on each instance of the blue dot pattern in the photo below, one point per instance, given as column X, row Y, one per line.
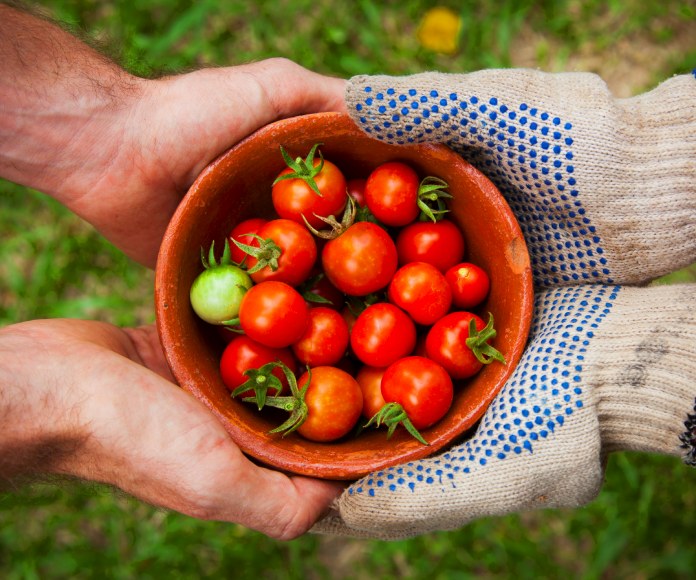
column 540, row 398
column 525, row 150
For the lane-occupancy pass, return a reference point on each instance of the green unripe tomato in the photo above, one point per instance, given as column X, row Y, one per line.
column 218, row 291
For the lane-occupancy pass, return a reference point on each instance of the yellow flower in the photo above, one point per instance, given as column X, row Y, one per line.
column 439, row 30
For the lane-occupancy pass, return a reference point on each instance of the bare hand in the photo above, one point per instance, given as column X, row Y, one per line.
column 90, row 400
column 175, row 129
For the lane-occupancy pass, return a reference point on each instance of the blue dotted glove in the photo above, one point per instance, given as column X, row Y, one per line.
column 604, row 191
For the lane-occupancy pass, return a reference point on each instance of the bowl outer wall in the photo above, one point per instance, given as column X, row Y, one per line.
column 237, row 186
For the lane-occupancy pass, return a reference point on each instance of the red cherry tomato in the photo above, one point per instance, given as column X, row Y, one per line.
column 446, row 344
column 334, row 403
column 273, row 313
column 440, row 244
column 382, row 334
column 294, row 198
column 356, row 189
column 422, row 291
column 361, row 260
column 325, row 340
column 243, row 353
column 469, row 283
column 391, row 194
column 298, row 252
column 421, row 386
column 370, row 381
column 243, row 232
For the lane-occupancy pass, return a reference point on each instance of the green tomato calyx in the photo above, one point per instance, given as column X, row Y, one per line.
column 303, row 169
column 432, row 193
column 478, row 342
column 260, row 381
column 392, row 415
column 294, row 403
column 225, row 260
column 266, row 253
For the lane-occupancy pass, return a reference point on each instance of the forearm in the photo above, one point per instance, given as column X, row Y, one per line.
column 39, row 433
column 61, row 105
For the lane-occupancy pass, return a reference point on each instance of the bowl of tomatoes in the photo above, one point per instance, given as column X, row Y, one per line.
column 342, row 304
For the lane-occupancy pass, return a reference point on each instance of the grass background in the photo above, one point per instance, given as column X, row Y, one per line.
column 52, row 264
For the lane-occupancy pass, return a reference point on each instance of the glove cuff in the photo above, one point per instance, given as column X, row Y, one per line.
column 643, row 371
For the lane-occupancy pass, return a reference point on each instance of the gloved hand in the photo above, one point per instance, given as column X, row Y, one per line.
column 605, row 193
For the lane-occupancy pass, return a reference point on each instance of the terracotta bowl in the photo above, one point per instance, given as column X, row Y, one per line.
column 237, row 186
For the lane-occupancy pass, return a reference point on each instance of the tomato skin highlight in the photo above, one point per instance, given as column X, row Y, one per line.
column 299, row 252
column 334, row 402
column 243, row 353
column 382, row 334
column 361, row 260
column 469, row 283
column 391, row 193
column 446, row 344
column 421, row 386
column 325, row 339
column 422, row 291
column 370, row 381
column 243, row 233
column 273, row 313
column 440, row 244
column 293, row 198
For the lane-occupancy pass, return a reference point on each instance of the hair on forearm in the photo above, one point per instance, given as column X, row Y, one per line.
column 48, row 52
column 108, row 48
column 32, row 446
column 25, row 458
column 37, row 461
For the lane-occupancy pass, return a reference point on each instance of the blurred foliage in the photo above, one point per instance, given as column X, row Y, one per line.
column 52, row 264
column 359, row 37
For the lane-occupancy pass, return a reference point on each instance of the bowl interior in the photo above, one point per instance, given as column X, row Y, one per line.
column 237, row 186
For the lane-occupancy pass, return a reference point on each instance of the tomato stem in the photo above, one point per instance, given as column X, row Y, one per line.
column 363, row 214
column 432, row 193
column 260, row 381
column 211, row 262
column 478, row 342
column 347, row 220
column 392, row 415
column 232, row 325
column 303, row 169
column 266, row 253
column 294, row 403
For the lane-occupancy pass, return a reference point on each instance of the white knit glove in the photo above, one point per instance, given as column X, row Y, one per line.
column 605, row 193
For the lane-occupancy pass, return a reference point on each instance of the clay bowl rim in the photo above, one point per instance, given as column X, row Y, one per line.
column 348, row 458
